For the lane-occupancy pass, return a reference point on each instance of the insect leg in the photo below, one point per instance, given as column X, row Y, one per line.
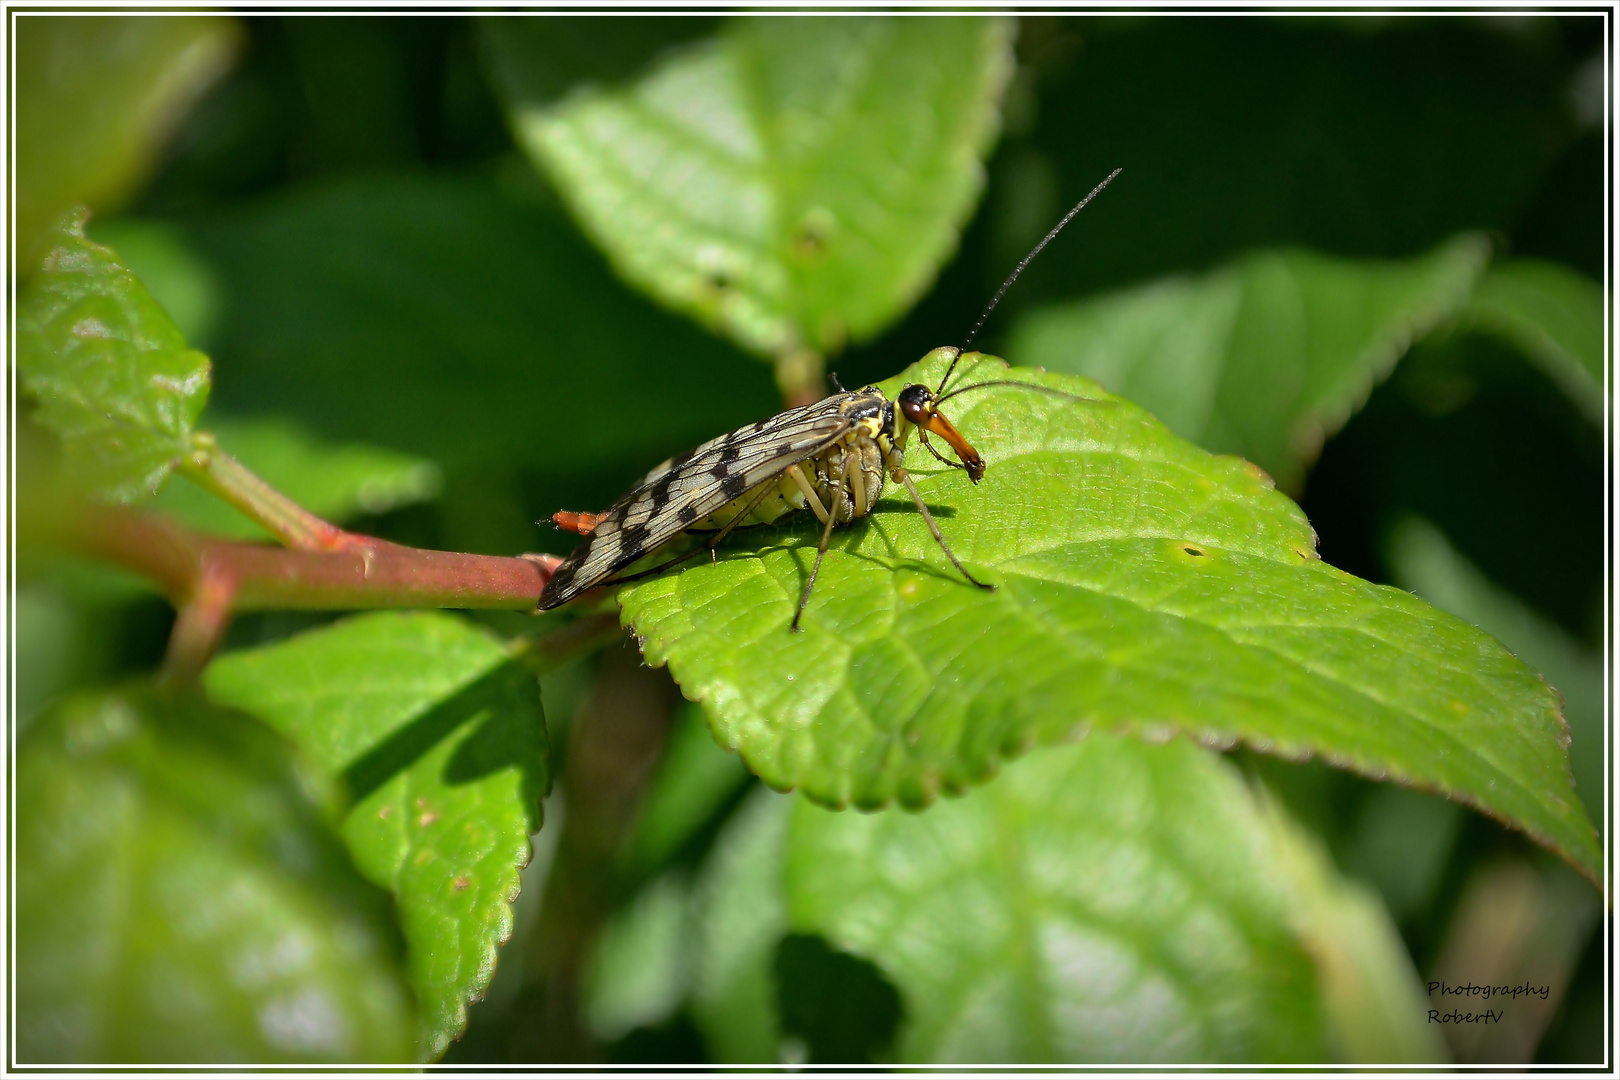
column 857, row 479
column 943, row 460
column 809, row 492
column 826, row 538
column 939, row 538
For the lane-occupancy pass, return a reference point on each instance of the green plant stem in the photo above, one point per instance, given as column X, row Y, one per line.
column 284, row 519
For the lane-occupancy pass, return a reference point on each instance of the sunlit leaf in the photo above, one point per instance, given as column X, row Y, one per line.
column 180, row 900
column 1143, row 586
column 1424, row 561
column 111, row 375
column 1265, row 357
column 440, row 741
column 793, row 183
column 178, row 279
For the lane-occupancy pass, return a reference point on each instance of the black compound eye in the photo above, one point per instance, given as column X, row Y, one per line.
column 916, row 402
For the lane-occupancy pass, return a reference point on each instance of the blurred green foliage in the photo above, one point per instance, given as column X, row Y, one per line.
column 410, row 333
column 1176, row 897
column 96, row 99
column 183, row 901
column 1264, row 358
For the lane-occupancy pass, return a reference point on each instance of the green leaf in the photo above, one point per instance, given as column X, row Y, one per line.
column 793, row 183
column 1144, row 586
column 111, row 374
column 337, row 482
column 1555, row 317
column 743, row 914
column 1128, row 903
column 180, row 900
column 156, row 252
column 95, row 98
column 1265, row 357
column 694, row 780
column 51, row 642
column 1424, row 561
column 441, row 742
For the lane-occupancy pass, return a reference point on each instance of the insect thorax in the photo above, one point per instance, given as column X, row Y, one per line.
column 868, row 441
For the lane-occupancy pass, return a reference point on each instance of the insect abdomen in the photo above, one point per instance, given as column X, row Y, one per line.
column 784, row 498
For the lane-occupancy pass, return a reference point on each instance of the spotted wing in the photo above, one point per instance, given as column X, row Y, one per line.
column 691, row 487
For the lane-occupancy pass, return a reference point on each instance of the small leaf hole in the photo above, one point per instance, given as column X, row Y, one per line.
column 814, row 234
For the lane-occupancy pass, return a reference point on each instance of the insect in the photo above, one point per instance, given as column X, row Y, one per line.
column 832, row 458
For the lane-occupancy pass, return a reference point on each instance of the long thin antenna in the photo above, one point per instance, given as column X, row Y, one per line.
column 1019, row 269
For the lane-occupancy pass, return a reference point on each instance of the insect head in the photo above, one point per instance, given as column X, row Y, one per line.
column 920, row 406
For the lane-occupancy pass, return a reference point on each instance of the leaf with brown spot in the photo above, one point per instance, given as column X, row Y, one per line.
column 431, row 725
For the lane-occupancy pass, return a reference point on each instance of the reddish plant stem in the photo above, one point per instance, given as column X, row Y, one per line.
column 323, row 567
column 199, row 624
column 257, row 577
